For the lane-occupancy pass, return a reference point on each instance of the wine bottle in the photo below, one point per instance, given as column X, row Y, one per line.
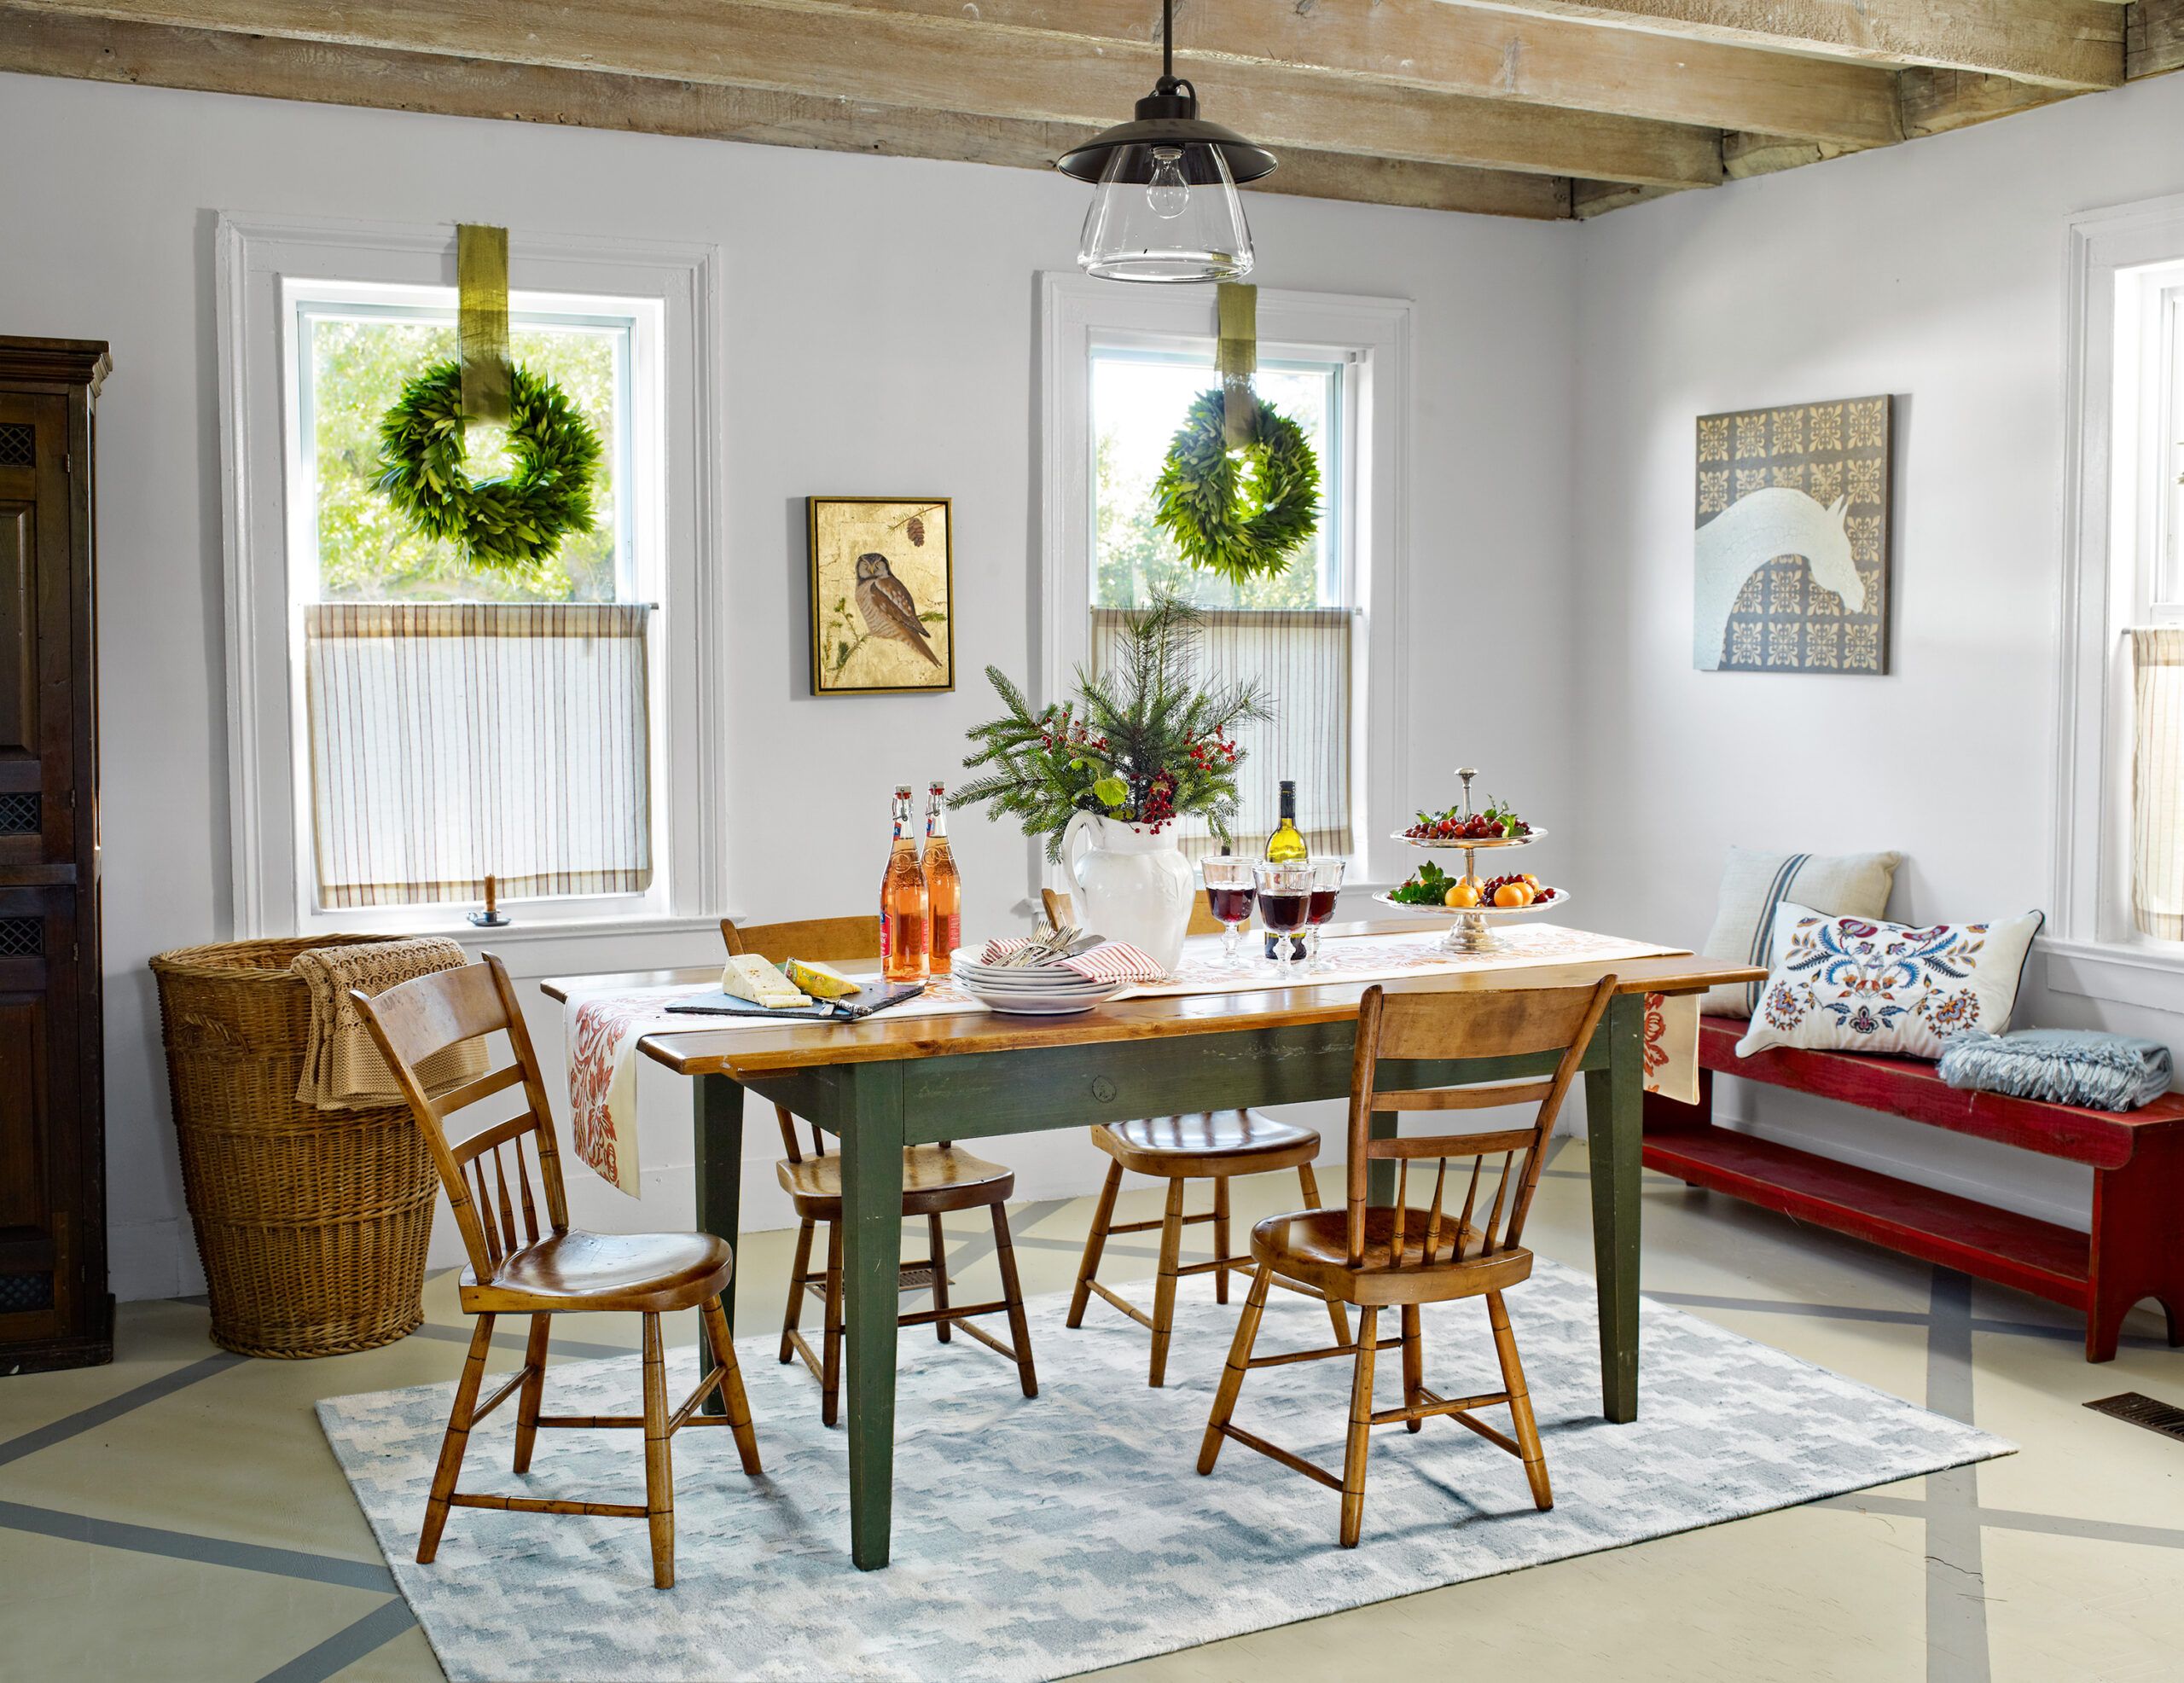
column 944, row 884
column 1285, row 846
column 905, row 911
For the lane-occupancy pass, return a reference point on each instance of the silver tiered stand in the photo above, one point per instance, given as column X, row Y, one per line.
column 1471, row 928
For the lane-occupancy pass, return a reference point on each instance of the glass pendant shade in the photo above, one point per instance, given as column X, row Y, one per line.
column 1166, row 212
column 1165, row 207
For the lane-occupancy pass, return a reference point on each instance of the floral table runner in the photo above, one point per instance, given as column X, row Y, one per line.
column 603, row 1028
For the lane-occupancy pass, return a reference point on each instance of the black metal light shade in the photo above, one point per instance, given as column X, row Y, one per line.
column 1167, row 208
column 1168, row 117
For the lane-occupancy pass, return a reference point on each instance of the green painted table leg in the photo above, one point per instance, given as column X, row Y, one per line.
column 1380, row 1172
column 717, row 1130
column 872, row 1255
column 1613, row 1096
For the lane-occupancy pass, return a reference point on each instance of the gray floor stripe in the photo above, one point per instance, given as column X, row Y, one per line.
column 2010, row 1329
column 2014, row 1519
column 1075, row 1247
column 514, row 1341
column 2069, row 1335
column 287, row 1563
column 347, row 1645
column 1956, row 1587
column 1021, row 1220
column 1702, row 1300
column 88, row 1419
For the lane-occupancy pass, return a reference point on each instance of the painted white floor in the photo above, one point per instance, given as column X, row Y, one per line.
column 178, row 1515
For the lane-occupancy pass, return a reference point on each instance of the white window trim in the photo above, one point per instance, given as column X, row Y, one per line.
column 255, row 255
column 1374, row 333
column 2093, row 949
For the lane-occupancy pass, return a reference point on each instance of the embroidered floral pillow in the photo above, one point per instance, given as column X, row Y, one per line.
column 1851, row 985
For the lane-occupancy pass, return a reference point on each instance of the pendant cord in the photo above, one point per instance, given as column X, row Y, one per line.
column 1168, row 40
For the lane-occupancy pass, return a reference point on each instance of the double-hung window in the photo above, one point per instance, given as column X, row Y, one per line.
column 458, row 723
column 1290, row 634
column 406, row 723
column 1123, row 368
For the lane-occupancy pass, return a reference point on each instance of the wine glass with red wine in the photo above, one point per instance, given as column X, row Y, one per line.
column 1285, row 903
column 1327, row 885
column 1229, row 892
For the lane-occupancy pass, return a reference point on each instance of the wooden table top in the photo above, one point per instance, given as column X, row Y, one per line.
column 880, row 1039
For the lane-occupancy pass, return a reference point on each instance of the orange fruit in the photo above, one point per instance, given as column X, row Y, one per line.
column 1513, row 894
column 1532, row 882
column 1462, row 896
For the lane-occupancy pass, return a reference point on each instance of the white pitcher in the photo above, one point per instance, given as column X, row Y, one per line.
column 1133, row 883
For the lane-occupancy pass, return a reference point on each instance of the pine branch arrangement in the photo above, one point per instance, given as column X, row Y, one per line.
column 1142, row 742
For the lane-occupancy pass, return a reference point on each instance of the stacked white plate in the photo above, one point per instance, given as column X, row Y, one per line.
column 1031, row 990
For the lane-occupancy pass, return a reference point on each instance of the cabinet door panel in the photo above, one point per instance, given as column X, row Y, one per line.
column 37, row 680
column 39, row 1165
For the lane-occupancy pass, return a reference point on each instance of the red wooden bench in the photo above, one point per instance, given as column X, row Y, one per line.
column 2135, row 1249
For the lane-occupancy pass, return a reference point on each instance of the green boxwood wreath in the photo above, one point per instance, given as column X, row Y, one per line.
column 1241, row 527
column 512, row 524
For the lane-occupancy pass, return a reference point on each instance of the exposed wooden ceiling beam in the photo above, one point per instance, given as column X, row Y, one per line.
column 2153, row 37
column 1934, row 101
column 1538, row 60
column 954, row 64
column 2064, row 43
column 100, row 50
column 1589, row 198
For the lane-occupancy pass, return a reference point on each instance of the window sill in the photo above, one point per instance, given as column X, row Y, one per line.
column 2116, row 972
column 585, row 946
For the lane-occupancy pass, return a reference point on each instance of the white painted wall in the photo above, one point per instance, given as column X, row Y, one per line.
column 882, row 338
column 1933, row 271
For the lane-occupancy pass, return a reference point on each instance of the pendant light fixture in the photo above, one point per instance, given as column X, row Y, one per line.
column 1166, row 209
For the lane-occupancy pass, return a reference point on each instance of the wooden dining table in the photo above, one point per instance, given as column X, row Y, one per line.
column 884, row 1083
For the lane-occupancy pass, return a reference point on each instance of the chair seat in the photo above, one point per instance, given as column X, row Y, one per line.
column 1313, row 1246
column 575, row 1270
column 1201, row 1143
column 936, row 1179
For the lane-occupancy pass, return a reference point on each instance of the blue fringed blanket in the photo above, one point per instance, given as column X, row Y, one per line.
column 2065, row 1066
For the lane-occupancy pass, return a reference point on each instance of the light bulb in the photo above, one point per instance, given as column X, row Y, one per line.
column 1168, row 193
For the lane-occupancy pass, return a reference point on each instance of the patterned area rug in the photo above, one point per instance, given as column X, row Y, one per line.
column 1036, row 1539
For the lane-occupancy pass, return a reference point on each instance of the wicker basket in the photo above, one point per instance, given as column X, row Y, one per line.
column 312, row 1224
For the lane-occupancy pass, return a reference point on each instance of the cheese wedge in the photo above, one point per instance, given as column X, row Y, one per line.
column 750, row 977
column 820, row 980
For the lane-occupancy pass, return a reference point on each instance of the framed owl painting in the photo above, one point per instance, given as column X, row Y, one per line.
column 883, row 609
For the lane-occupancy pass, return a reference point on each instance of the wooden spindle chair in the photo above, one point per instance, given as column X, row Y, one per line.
column 937, row 1180
column 1399, row 1257
column 546, row 1270
column 1212, row 1146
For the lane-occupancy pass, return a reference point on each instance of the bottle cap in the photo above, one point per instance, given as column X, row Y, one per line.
column 902, row 792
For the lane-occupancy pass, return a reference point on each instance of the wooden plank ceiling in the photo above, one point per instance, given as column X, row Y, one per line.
column 1543, row 108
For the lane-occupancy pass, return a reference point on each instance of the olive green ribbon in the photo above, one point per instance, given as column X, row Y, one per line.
column 1237, row 356
column 481, row 279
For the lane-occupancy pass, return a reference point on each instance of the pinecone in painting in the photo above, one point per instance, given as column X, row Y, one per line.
column 916, row 530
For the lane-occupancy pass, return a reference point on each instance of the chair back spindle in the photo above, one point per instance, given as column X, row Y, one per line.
column 1433, row 1026
column 497, row 1215
column 822, row 940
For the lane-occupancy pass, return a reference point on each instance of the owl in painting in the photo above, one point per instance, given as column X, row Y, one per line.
column 887, row 605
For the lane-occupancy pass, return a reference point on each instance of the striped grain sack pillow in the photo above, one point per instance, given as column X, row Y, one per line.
column 1755, row 885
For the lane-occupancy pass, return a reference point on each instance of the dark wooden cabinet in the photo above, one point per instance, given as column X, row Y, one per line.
column 55, row 1308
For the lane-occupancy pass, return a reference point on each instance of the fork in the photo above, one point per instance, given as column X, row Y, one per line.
column 1042, row 949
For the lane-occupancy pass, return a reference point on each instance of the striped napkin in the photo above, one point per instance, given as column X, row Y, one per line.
column 1110, row 961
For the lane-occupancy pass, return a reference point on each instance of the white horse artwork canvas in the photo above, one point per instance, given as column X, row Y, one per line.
column 1789, row 562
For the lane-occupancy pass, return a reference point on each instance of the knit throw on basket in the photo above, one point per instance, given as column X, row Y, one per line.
column 342, row 1069
column 2065, row 1066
